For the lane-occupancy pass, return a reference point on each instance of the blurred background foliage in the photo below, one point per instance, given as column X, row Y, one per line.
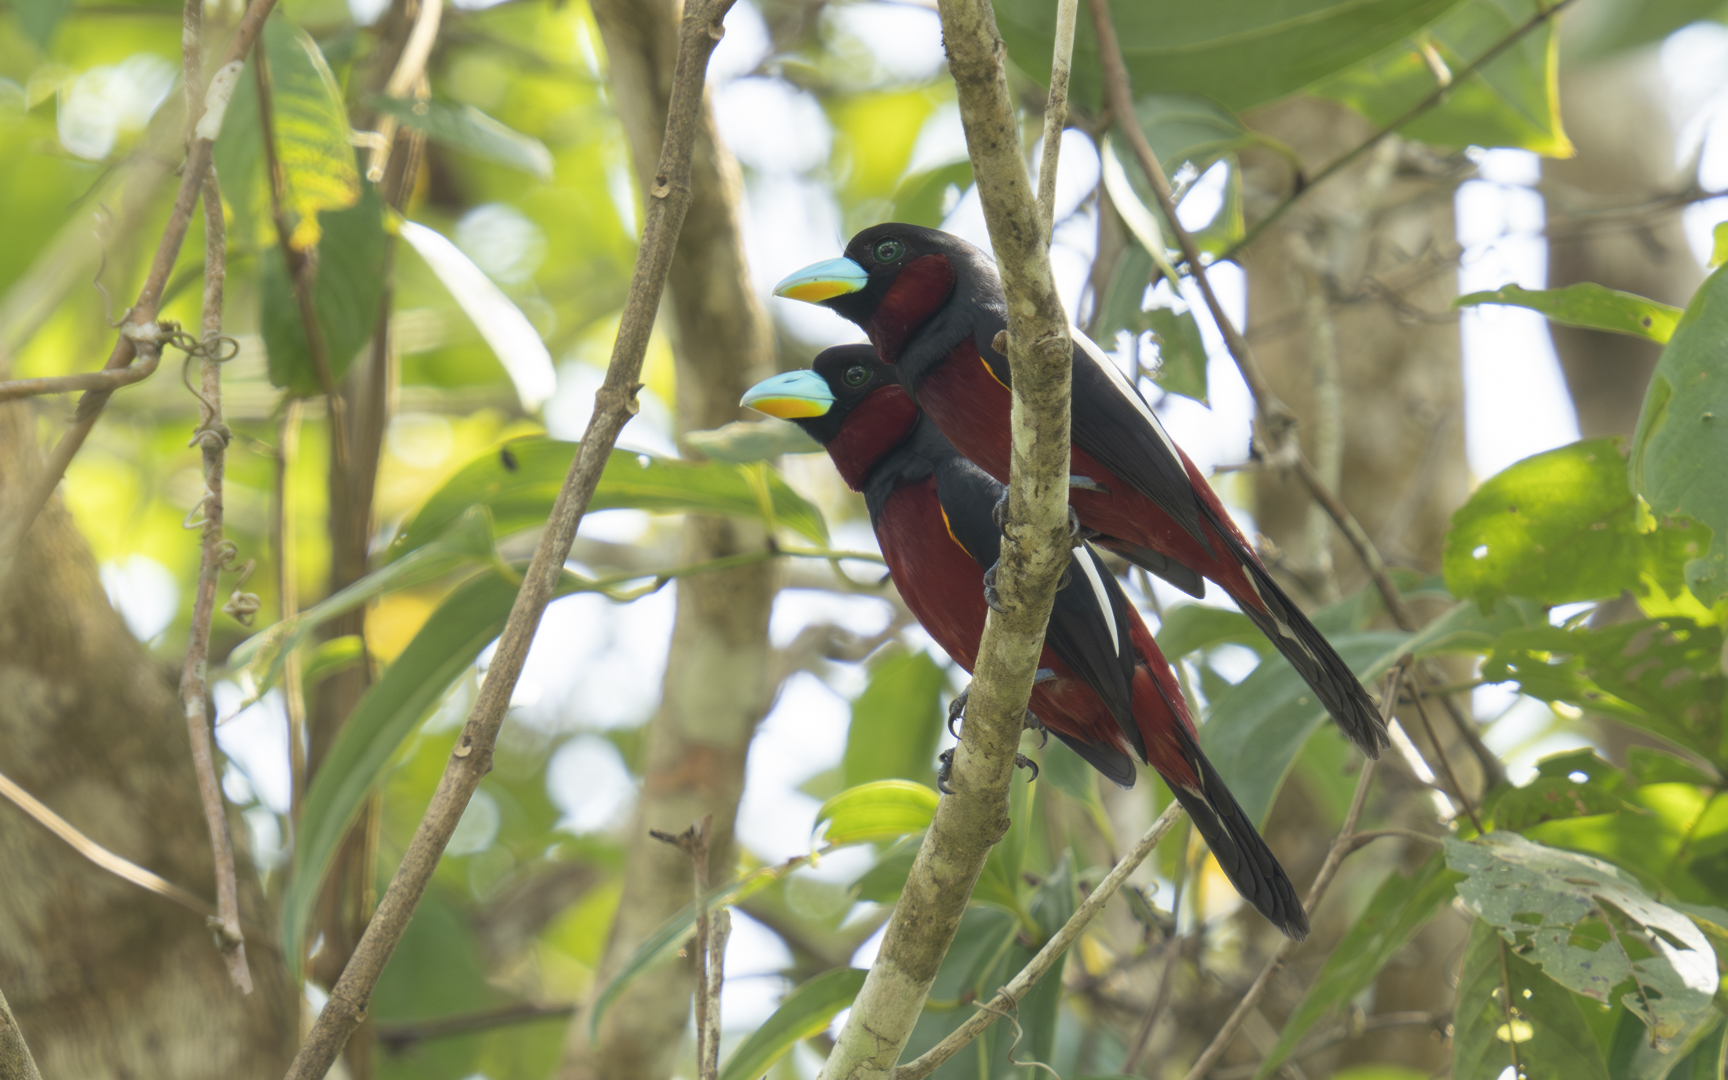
column 1577, row 609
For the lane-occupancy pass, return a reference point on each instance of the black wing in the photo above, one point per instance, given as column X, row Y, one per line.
column 1088, row 628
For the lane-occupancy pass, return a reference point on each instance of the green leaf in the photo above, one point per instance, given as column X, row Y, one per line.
column 1631, row 1057
column 805, row 1012
column 465, row 128
column 1681, row 450
column 896, row 720
column 520, row 480
column 312, row 134
column 332, row 656
column 1181, row 353
column 464, row 624
column 1401, row 906
column 1656, row 767
column 922, row 198
column 466, row 542
column 352, row 258
column 1589, row 305
column 1512, row 101
column 1124, row 295
column 1562, row 526
column 1189, row 627
column 1661, row 675
column 1068, row 773
column 1554, row 1041
column 883, row 882
column 1239, row 53
column 743, row 441
column 40, row 18
column 1543, row 900
column 1719, row 244
column 1556, row 794
column 882, row 810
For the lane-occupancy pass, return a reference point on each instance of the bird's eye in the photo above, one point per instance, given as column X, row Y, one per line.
column 889, row 251
column 857, row 375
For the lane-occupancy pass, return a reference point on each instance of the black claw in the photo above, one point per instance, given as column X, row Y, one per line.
column 944, row 771
column 991, row 596
column 1076, row 531
column 1024, row 762
column 999, row 512
column 957, row 709
column 1086, row 483
column 1066, row 579
column 1032, row 723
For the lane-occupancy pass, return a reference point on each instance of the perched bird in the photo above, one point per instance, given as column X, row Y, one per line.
column 932, row 305
column 1103, row 687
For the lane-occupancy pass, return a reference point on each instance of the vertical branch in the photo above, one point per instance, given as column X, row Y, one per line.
column 712, row 930
column 15, row 1060
column 1056, row 114
column 615, row 404
column 212, row 437
column 286, row 554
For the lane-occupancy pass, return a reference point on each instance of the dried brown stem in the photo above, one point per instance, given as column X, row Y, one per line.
column 138, row 330
column 1341, row 847
column 615, row 403
column 711, row 933
column 106, row 381
column 1016, row 988
column 1056, row 114
column 212, row 437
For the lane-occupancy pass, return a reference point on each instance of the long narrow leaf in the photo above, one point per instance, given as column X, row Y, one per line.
column 805, row 1012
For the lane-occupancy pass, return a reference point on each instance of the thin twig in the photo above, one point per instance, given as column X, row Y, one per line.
column 121, row 868
column 615, row 404
column 1143, row 1038
column 212, row 436
column 1341, row 847
column 401, row 1036
column 693, row 842
column 1363, row 839
column 137, row 331
column 107, row 381
column 1439, row 95
column 1446, row 764
column 1056, row 114
column 405, row 77
column 15, row 1060
column 1015, row 989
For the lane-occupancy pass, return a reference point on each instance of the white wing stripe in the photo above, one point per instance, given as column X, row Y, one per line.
column 1124, row 387
column 1086, row 558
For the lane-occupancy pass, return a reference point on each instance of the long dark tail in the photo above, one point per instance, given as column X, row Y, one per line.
column 1313, row 657
column 1242, row 854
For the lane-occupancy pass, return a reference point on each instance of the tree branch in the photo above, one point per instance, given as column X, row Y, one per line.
column 1017, row 987
column 615, row 404
column 1035, row 551
column 15, row 1060
column 106, row 381
column 212, row 435
column 139, row 335
column 1056, row 114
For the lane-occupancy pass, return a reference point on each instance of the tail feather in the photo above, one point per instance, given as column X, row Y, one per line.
column 1319, row 664
column 1110, row 760
column 1162, row 566
column 1238, row 846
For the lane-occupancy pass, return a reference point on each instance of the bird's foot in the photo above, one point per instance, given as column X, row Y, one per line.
column 991, row 596
column 957, row 709
column 1021, row 761
column 1032, row 723
column 945, row 771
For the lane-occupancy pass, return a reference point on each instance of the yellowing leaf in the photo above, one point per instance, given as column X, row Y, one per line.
column 883, row 810
column 311, row 129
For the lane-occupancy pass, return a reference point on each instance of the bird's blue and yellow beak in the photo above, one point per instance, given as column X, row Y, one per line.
column 823, row 281
column 791, row 395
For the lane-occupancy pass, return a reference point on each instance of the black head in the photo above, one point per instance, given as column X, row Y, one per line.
column 848, row 400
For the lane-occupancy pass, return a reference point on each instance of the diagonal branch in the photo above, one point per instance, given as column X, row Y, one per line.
column 1017, row 987
column 1035, row 551
column 139, row 334
column 105, row 381
column 615, row 404
column 15, row 1060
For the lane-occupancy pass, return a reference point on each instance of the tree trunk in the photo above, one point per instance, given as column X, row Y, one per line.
column 1349, row 302
column 716, row 687
column 107, row 980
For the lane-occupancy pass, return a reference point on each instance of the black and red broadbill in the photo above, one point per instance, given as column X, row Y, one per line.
column 932, row 305
column 1103, row 687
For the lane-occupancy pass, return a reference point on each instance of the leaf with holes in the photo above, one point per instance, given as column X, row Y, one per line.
column 519, row 482
column 1181, row 352
column 1543, row 1025
column 1563, row 526
column 1589, row 305
column 1546, row 902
